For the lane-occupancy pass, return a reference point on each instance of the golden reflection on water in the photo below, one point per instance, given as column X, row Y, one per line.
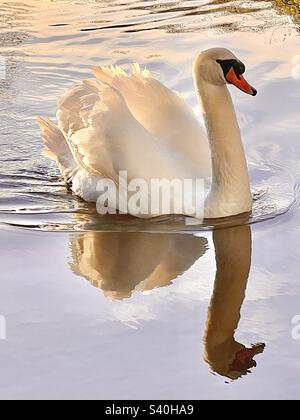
column 289, row 7
column 122, row 263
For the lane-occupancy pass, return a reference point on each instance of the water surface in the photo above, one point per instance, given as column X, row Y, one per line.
column 120, row 308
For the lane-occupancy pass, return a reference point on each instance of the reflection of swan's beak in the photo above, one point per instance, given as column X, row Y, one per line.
column 243, row 360
column 240, row 82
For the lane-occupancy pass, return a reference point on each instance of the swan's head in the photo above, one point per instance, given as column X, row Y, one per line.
column 220, row 66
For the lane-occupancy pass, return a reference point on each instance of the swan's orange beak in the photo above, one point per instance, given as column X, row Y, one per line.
column 240, row 82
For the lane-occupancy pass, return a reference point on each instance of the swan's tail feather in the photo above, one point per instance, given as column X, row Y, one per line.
column 54, row 141
column 56, row 147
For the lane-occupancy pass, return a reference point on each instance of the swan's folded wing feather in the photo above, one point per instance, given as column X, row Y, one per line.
column 161, row 111
column 56, row 148
column 75, row 106
column 86, row 116
column 103, row 135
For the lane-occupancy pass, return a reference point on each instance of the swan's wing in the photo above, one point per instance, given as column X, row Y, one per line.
column 56, row 148
column 161, row 111
column 105, row 138
column 76, row 119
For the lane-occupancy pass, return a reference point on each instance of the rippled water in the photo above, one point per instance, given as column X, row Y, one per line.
column 138, row 332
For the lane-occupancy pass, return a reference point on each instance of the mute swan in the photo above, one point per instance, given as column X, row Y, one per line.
column 133, row 123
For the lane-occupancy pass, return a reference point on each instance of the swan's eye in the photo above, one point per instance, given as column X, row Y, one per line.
column 238, row 67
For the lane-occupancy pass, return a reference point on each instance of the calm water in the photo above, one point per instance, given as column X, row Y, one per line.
column 119, row 308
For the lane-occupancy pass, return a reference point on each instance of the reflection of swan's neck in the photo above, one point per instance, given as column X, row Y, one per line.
column 233, row 259
column 230, row 192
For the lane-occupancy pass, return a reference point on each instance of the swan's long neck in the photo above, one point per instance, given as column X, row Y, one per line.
column 230, row 191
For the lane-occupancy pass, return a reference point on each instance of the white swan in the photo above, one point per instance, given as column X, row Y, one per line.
column 134, row 123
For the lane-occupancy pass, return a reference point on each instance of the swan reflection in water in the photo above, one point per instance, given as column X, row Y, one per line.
column 121, row 263
column 225, row 355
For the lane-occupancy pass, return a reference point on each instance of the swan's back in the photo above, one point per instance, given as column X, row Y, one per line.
column 161, row 111
column 129, row 123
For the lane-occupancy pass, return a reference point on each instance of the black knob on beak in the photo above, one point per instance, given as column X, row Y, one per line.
column 239, row 68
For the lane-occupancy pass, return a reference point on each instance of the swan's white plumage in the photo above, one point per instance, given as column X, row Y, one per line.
column 106, row 126
column 161, row 111
column 57, row 148
column 98, row 135
column 133, row 123
column 105, row 138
